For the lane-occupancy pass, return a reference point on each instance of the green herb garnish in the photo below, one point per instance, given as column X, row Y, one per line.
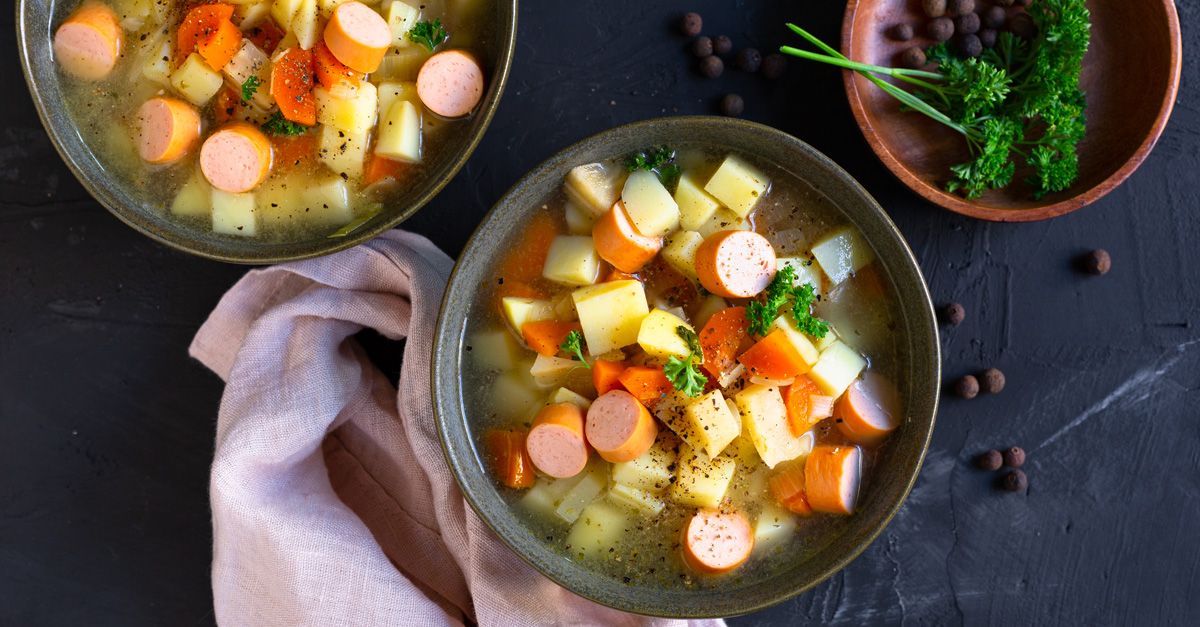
column 249, row 88
column 802, row 317
column 279, row 125
column 1020, row 100
column 660, row 160
column 428, row 34
column 574, row 344
column 762, row 312
column 684, row 374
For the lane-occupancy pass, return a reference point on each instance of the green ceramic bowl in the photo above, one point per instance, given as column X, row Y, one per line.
column 900, row 460
column 35, row 28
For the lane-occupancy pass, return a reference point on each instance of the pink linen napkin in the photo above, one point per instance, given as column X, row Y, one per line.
column 332, row 503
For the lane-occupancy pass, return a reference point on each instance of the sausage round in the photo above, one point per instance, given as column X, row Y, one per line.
column 619, row 243
column 236, row 158
column 167, row 128
column 619, row 427
column 556, row 443
column 869, row 410
column 717, row 542
column 358, row 36
column 450, row 83
column 831, row 478
column 88, row 43
column 735, row 264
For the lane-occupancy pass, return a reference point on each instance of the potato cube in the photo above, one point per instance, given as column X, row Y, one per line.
column 543, row 498
column 194, row 198
column 773, row 527
column 327, row 6
column 593, row 187
column 494, row 350
column 195, row 81
column 284, row 10
column 586, row 490
column 659, row 335
column 356, row 112
column 233, row 214
column 713, row 424
column 579, row 222
column 327, row 202
column 702, row 482
column 400, row 137
column 513, row 397
column 724, row 220
column 572, row 260
column 680, row 252
column 841, row 253
column 563, row 395
column 391, row 92
column 343, row 152
column 157, row 67
column 805, row 270
column 549, row 372
column 823, row 343
column 742, row 448
column 598, row 528
column 402, row 64
column 764, row 416
column 650, row 471
column 798, row 340
column 649, row 205
column 306, row 24
column 738, row 185
column 247, row 16
column 640, row 501
column 401, row 17
column 696, row 206
column 837, row 368
column 611, row 314
column 518, row 311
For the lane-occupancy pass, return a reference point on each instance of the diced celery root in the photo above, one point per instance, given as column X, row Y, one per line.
column 343, row 151
column 549, row 372
column 401, row 17
column 563, row 395
column 773, row 527
column 579, row 222
column 806, row 271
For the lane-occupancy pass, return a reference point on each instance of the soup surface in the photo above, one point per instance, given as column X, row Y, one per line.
column 279, row 120
column 686, row 366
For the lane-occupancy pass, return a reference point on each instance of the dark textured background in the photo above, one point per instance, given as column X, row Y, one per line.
column 106, row 426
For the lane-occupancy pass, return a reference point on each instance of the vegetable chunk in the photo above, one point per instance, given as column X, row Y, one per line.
column 738, row 185
column 611, row 314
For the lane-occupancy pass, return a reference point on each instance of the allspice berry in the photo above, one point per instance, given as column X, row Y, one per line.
column 970, row 45
column 987, row 37
column 989, row 460
column 967, row 24
column 712, row 66
column 1014, row 457
column 967, row 387
column 934, row 8
column 993, row 380
column 913, row 58
column 940, row 29
column 732, row 105
column 702, row 47
column 691, row 24
column 962, row 7
column 773, row 66
column 1098, row 262
column 994, row 17
column 722, row 45
column 749, row 60
column 954, row 314
column 902, row 32
column 1016, row 481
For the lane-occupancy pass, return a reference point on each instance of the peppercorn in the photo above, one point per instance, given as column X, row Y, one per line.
column 970, row 45
column 989, row 460
column 962, row 7
column 913, row 58
column 691, row 24
column 934, row 8
column 722, row 45
column 967, row 24
column 1016, row 481
column 732, row 105
column 902, row 32
column 994, row 17
column 993, row 380
column 1023, row 26
column 987, row 37
column 749, row 59
column 702, row 47
column 1014, row 457
column 1097, row 262
column 711, row 66
column 940, row 29
column 954, row 313
column 774, row 65
column 1004, row 3
column 967, row 387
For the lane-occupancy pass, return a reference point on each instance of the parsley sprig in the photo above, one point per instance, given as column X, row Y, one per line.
column 428, row 34
column 660, row 160
column 279, row 125
column 684, row 373
column 573, row 344
column 1020, row 100
column 782, row 290
column 250, row 87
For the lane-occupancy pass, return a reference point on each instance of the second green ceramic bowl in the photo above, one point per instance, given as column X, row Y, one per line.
column 900, row 459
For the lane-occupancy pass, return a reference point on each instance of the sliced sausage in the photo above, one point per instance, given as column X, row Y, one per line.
column 556, row 443
column 869, row 410
column 831, row 478
column 717, row 542
column 450, row 83
column 358, row 36
column 619, row 427
column 236, row 158
column 619, row 243
column 735, row 264
column 88, row 43
column 167, row 128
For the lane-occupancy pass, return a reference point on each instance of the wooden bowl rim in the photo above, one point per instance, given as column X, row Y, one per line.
column 961, row 206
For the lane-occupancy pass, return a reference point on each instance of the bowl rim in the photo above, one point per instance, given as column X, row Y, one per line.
column 447, row 338
column 958, row 205
column 314, row 247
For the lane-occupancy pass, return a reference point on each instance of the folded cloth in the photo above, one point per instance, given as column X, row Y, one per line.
column 332, row 503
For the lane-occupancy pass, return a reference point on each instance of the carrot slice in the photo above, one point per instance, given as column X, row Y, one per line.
column 528, row 255
column 724, row 336
column 606, row 375
column 647, row 384
column 774, row 357
column 545, row 336
column 292, row 86
column 787, row 487
column 513, row 466
column 798, row 397
column 266, row 36
column 209, row 30
column 333, row 74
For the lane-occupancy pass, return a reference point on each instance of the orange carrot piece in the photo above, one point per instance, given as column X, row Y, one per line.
column 198, row 25
column 292, row 86
column 528, row 255
column 518, row 289
column 774, row 357
column 648, row 384
column 724, row 336
column 296, row 150
column 331, row 73
column 787, row 488
column 798, row 397
column 606, row 375
column 545, row 336
column 266, row 36
column 379, row 169
column 513, row 466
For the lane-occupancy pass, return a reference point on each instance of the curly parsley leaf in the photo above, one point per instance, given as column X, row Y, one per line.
column 279, row 125
column 428, row 34
column 802, row 317
column 684, row 373
column 660, row 160
column 762, row 312
column 250, row 87
column 574, row 344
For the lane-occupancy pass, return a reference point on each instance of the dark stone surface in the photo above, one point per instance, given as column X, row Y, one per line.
column 108, row 426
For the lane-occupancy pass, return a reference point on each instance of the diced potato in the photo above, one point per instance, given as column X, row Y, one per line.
column 738, row 185
column 659, row 334
column 233, row 214
column 327, row 6
column 402, row 64
column 157, row 66
column 773, row 527
column 283, row 11
column 280, row 202
column 401, row 17
column 251, row 61
column 679, row 251
column 712, row 423
column 343, row 152
column 724, row 220
column 307, row 24
column 194, row 198
column 827, row 341
column 587, row 489
column 702, row 482
column 579, row 222
column 651, row 471
column 391, row 92
column 649, row 205
column 597, row 529
column 513, row 397
column 640, row 501
column 593, row 187
column 572, row 260
column 806, row 271
column 764, row 416
column 742, row 447
column 563, row 395
column 543, row 498
column 357, row 112
column 837, row 368
column 798, row 340
column 494, row 350
column 518, row 311
column 248, row 15
column 696, row 206
column 841, row 253
column 400, row 137
column 709, row 306
column 327, row 202
column 195, row 81
column 611, row 314
column 549, row 372
column 564, row 307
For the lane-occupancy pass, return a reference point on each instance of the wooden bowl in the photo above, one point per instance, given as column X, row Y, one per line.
column 1130, row 76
